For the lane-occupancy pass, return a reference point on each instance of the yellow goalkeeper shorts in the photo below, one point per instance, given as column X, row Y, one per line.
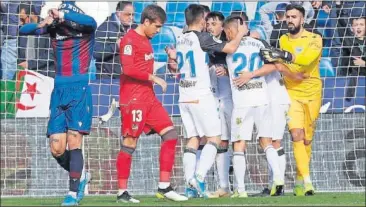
column 303, row 114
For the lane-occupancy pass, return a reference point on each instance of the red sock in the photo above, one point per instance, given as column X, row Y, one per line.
column 167, row 157
column 123, row 169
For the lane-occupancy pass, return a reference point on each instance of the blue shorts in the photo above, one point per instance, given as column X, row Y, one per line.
column 71, row 109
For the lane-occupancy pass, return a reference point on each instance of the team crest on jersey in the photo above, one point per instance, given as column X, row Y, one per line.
column 298, row 49
column 127, row 50
column 239, row 121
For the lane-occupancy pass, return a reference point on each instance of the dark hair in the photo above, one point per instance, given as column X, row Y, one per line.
column 122, row 4
column 357, row 18
column 215, row 15
column 153, row 13
column 297, row 7
column 238, row 13
column 27, row 8
column 206, row 8
column 233, row 19
column 193, row 13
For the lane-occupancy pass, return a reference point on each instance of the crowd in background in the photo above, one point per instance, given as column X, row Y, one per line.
column 341, row 23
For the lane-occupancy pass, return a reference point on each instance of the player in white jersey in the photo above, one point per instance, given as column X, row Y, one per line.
column 279, row 104
column 197, row 104
column 251, row 106
column 222, row 91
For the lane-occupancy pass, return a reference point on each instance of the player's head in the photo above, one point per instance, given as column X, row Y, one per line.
column 295, row 14
column 125, row 12
column 215, row 23
column 206, row 10
column 195, row 16
column 358, row 27
column 231, row 26
column 152, row 19
column 240, row 14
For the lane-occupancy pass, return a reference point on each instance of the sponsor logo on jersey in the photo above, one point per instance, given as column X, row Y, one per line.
column 239, row 121
column 249, row 86
column 298, row 49
column 149, row 56
column 127, row 50
column 187, row 83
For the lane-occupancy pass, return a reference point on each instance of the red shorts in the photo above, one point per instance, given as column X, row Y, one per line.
column 143, row 117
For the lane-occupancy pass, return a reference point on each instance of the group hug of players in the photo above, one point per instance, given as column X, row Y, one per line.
column 220, row 100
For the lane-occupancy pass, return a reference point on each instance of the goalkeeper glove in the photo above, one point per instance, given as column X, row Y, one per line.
column 275, row 55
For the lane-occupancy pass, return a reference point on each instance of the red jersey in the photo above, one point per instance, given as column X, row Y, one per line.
column 137, row 61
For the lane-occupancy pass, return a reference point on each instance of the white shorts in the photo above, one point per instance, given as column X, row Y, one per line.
column 225, row 110
column 201, row 119
column 243, row 120
column 279, row 120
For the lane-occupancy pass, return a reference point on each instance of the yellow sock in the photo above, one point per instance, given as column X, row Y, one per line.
column 299, row 178
column 308, row 150
column 301, row 158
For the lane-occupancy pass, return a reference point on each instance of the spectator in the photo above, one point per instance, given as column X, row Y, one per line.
column 10, row 24
column 108, row 36
column 270, row 8
column 37, row 52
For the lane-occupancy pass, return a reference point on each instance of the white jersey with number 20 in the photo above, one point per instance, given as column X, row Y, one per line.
column 247, row 58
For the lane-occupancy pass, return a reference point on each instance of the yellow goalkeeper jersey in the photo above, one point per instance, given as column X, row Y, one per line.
column 307, row 50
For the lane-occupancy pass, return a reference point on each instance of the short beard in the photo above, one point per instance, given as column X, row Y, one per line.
column 295, row 30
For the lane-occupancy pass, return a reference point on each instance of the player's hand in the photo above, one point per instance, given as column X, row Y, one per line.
column 243, row 78
column 54, row 13
column 242, row 29
column 171, row 52
column 359, row 62
column 23, row 64
column 272, row 54
column 160, row 82
column 221, row 71
column 46, row 22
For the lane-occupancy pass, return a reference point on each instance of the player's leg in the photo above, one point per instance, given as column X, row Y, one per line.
column 202, row 143
column 296, row 126
column 207, row 122
column 158, row 119
column 263, row 122
column 133, row 118
column 222, row 158
column 311, row 109
column 242, row 123
column 79, row 118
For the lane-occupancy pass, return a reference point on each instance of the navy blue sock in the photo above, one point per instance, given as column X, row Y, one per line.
column 76, row 168
column 64, row 160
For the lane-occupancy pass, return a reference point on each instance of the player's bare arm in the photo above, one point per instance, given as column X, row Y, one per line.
column 298, row 77
column 245, row 76
column 231, row 46
column 158, row 81
column 172, row 59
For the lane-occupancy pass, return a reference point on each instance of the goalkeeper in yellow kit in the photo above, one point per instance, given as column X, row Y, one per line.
column 300, row 52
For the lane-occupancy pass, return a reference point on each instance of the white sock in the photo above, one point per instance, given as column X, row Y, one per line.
column 270, row 176
column 163, row 185
column 307, row 180
column 282, row 163
column 189, row 165
column 223, row 166
column 72, row 193
column 239, row 170
column 121, row 191
column 207, row 159
column 198, row 156
column 272, row 159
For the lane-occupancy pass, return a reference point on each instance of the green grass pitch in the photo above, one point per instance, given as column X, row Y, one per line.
column 320, row 199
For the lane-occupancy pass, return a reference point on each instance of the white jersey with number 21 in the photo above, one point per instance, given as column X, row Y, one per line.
column 247, row 58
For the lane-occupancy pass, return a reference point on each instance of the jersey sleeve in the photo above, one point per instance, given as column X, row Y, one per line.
column 32, row 29
column 84, row 22
column 129, row 65
column 210, row 43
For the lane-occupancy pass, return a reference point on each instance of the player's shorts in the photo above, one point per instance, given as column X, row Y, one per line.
column 202, row 118
column 279, row 120
column 71, row 108
column 138, row 117
column 303, row 114
column 225, row 110
column 243, row 120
